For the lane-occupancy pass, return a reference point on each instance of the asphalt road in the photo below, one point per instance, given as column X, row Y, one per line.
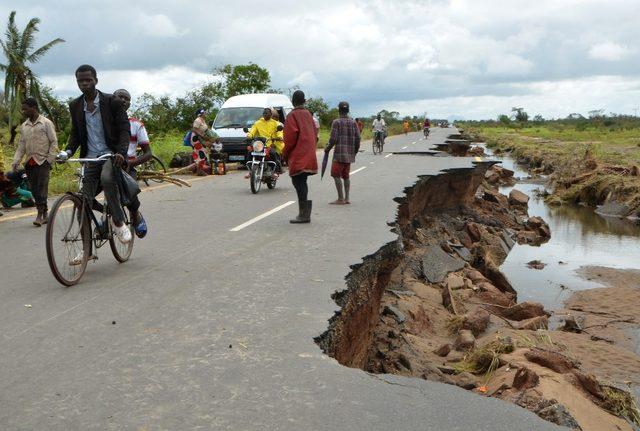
column 214, row 326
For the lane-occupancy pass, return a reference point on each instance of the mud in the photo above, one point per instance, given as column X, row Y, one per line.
column 434, row 305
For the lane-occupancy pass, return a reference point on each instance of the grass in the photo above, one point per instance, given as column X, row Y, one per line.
column 164, row 146
column 63, row 176
column 485, row 359
column 568, row 152
column 621, row 404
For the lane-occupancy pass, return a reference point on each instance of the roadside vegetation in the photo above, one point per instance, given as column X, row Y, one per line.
column 591, row 160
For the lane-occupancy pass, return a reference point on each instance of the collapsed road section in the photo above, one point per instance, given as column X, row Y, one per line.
column 434, row 305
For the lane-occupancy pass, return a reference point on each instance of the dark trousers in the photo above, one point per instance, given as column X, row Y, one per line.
column 300, row 184
column 102, row 174
column 134, row 206
column 38, row 176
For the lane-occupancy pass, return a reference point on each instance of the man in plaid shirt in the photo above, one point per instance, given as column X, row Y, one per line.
column 345, row 138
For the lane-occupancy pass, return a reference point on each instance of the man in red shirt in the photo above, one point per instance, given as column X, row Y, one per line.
column 345, row 137
column 300, row 136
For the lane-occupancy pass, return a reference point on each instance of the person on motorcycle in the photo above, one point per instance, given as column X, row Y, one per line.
column 266, row 127
column 379, row 125
column 99, row 125
column 278, row 144
column 139, row 138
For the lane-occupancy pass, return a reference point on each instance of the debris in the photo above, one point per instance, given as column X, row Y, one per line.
column 390, row 310
column 525, row 379
column 443, row 350
column 436, row 264
column 465, row 340
column 536, row 264
column 553, row 360
column 558, row 414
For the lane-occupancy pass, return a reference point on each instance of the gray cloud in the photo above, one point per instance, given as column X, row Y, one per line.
column 411, row 54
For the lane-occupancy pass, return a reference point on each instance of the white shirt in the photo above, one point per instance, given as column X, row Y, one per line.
column 379, row 125
column 138, row 136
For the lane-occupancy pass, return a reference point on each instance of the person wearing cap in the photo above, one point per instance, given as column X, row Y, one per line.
column 300, row 150
column 345, row 138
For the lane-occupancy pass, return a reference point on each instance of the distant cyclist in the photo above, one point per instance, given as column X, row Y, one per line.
column 379, row 126
column 139, row 139
column 99, row 125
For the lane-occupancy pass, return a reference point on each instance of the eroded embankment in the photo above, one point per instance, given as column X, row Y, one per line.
column 434, row 305
column 575, row 173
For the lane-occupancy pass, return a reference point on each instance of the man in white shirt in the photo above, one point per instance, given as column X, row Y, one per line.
column 139, row 138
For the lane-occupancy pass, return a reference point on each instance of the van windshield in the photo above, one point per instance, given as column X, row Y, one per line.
column 236, row 117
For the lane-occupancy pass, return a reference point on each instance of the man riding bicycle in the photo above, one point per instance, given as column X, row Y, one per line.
column 99, row 126
column 379, row 126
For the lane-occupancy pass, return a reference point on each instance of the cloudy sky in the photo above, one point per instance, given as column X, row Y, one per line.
column 468, row 58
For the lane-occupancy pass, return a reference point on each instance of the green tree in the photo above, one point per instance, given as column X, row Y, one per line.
column 20, row 81
column 317, row 105
column 241, row 79
column 520, row 115
column 504, row 119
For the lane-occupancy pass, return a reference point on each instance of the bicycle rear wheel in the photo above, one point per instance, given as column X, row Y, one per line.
column 68, row 240
column 155, row 164
column 122, row 252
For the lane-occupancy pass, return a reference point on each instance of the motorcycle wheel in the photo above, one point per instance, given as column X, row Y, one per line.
column 255, row 179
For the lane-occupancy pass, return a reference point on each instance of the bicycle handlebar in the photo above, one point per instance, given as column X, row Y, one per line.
column 101, row 158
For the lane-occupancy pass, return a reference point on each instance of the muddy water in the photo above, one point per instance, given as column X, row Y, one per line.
column 579, row 237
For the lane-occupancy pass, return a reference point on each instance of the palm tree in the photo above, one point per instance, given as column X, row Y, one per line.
column 20, row 81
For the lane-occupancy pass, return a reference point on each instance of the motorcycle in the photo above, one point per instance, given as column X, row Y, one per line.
column 261, row 168
column 218, row 159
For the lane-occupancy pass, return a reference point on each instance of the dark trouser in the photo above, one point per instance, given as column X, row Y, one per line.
column 300, row 183
column 102, row 174
column 276, row 158
column 134, row 206
column 38, row 176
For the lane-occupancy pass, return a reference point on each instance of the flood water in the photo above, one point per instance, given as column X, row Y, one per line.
column 579, row 237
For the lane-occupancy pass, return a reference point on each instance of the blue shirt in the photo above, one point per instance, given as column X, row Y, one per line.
column 96, row 142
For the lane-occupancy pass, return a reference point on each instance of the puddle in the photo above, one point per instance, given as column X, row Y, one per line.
column 579, row 237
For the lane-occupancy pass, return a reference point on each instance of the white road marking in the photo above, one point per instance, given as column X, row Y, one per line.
column 358, row 170
column 478, row 159
column 261, row 216
column 388, row 155
column 372, row 163
column 404, row 148
column 413, row 143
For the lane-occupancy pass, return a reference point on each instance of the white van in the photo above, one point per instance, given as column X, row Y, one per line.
column 242, row 111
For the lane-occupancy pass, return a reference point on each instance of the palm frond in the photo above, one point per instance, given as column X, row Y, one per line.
column 35, row 56
column 28, row 36
column 13, row 34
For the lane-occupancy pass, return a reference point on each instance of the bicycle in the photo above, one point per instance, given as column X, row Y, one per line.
column 154, row 164
column 378, row 142
column 70, row 236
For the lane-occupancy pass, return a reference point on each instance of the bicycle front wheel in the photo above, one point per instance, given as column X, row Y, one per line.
column 122, row 252
column 68, row 240
column 375, row 146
